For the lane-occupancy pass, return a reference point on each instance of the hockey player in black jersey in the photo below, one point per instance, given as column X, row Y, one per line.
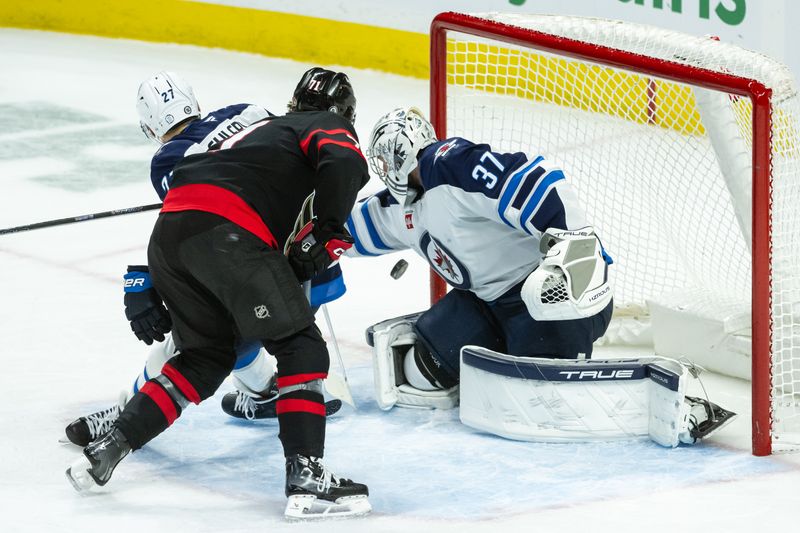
column 170, row 115
column 216, row 258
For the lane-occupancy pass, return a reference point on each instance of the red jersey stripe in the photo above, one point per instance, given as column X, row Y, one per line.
column 219, row 201
column 323, row 142
column 162, row 400
column 305, row 142
column 299, row 406
column 181, row 382
column 287, row 381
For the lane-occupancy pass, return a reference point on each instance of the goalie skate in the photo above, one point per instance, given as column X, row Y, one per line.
column 704, row 419
column 316, row 494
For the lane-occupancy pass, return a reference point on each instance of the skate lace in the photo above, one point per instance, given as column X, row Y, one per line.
column 101, row 421
column 246, row 405
column 325, row 478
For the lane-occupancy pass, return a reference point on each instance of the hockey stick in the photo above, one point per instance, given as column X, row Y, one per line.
column 342, row 385
column 81, row 218
column 335, row 384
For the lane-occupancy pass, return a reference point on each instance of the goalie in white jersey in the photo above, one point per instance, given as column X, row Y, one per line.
column 508, row 233
column 484, row 220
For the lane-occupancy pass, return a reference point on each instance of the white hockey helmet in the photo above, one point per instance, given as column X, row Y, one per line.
column 164, row 101
column 396, row 139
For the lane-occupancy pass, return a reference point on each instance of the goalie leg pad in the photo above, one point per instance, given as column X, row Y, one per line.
column 668, row 410
column 553, row 400
column 544, row 399
column 391, row 341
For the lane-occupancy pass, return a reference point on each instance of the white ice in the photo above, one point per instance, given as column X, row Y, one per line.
column 70, row 144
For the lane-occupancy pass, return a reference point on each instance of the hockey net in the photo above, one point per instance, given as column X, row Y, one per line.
column 685, row 152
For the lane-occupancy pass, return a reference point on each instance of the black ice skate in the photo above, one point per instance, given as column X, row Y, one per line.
column 706, row 418
column 315, row 493
column 242, row 405
column 88, row 428
column 98, row 461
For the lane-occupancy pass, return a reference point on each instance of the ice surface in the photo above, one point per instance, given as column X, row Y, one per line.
column 70, row 144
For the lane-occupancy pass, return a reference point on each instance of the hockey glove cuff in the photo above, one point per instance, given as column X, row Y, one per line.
column 314, row 249
column 144, row 309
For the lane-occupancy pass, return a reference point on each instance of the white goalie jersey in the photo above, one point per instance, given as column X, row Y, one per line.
column 479, row 220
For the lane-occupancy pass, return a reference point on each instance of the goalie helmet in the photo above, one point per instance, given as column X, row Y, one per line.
column 163, row 102
column 325, row 90
column 394, row 144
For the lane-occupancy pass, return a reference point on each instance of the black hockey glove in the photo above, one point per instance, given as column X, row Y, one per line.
column 143, row 307
column 314, row 249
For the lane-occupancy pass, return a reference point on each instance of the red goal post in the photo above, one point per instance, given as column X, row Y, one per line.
column 609, row 82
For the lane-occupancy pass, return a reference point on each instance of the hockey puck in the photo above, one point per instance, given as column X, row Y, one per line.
column 399, row 269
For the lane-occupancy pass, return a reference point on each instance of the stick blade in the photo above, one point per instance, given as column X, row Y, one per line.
column 338, row 388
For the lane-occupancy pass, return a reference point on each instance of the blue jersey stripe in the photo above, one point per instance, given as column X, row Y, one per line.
column 327, row 292
column 351, row 227
column 538, row 194
column 371, row 229
column 527, row 186
column 512, row 187
column 146, row 377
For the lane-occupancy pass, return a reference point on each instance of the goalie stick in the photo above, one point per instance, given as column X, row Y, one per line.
column 81, row 218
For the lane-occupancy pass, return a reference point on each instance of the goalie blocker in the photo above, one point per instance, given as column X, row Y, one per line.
column 539, row 399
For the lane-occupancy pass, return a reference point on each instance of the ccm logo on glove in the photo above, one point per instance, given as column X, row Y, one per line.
column 315, row 248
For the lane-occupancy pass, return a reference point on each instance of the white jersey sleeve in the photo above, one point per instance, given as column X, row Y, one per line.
column 376, row 226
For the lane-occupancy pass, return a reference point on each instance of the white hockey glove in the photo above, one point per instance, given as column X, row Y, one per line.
column 571, row 282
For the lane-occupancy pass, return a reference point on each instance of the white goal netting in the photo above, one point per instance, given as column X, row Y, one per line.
column 664, row 167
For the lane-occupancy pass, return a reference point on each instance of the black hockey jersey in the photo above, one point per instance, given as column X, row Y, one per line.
column 273, row 166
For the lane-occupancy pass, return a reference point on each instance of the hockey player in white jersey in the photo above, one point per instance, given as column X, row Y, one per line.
column 169, row 114
column 509, row 235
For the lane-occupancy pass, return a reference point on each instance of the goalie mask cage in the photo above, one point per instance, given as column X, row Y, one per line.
column 684, row 151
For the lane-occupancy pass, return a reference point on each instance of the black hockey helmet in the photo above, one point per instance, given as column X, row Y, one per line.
column 325, row 90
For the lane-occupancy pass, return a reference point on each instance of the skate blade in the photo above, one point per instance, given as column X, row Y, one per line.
column 309, row 507
column 78, row 475
column 723, row 419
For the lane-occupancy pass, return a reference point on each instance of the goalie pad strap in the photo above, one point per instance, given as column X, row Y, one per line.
column 408, row 396
column 431, row 368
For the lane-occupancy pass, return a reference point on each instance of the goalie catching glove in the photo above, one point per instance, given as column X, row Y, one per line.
column 571, row 282
column 143, row 306
column 313, row 249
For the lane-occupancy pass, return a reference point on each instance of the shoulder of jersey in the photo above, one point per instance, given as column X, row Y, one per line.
column 447, row 149
column 176, row 146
